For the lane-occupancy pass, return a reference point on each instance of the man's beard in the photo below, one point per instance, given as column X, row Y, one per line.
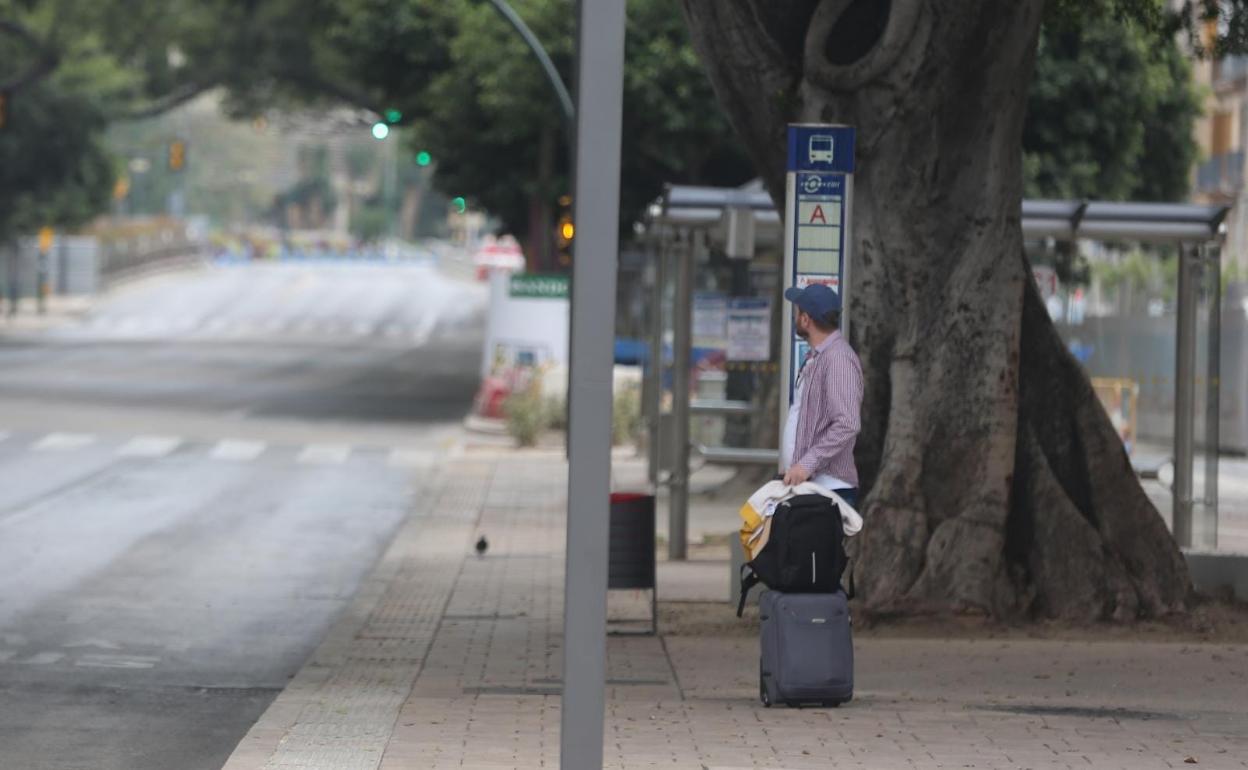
column 803, row 333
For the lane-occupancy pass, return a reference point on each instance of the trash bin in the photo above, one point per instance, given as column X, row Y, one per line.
column 631, row 561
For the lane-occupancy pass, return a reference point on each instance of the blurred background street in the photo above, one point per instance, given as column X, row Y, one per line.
column 197, row 474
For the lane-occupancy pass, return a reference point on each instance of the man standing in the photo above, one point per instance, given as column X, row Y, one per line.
column 825, row 414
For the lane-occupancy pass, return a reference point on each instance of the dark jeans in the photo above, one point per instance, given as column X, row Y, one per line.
column 850, row 495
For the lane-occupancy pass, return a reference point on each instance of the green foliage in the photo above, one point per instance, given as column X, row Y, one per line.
column 313, row 196
column 1212, row 28
column 369, row 222
column 53, row 167
column 626, row 420
column 526, row 413
column 557, row 412
column 486, row 116
column 1139, row 276
column 478, row 100
column 1110, row 114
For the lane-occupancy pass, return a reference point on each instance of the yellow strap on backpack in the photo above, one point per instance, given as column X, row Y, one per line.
column 754, row 531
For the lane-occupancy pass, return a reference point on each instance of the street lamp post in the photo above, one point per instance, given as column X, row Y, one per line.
column 543, row 58
column 596, row 196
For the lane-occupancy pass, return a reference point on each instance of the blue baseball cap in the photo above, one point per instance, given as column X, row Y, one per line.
column 816, row 299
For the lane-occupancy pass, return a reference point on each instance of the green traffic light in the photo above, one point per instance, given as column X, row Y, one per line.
column 423, row 158
column 460, row 204
column 393, row 116
column 380, row 130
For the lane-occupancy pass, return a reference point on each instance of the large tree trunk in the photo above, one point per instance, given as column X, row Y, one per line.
column 995, row 481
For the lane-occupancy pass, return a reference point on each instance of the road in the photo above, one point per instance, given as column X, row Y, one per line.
column 195, row 478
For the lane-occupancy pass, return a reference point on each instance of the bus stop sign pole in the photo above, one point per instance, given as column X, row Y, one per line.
column 599, row 113
column 818, row 196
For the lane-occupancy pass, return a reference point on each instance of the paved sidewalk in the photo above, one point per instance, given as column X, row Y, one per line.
column 447, row 660
column 28, row 319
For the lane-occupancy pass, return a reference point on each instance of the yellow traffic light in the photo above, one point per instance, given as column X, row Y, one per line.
column 567, row 230
column 45, row 239
column 177, row 155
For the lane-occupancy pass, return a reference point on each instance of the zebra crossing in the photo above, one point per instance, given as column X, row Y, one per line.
column 226, row 450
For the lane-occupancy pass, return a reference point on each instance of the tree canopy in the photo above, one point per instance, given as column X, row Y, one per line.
column 1110, row 113
column 1110, row 90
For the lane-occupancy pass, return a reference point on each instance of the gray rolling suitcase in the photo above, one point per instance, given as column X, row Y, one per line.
column 807, row 649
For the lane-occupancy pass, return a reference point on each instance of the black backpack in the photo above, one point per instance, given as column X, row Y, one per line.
column 805, row 552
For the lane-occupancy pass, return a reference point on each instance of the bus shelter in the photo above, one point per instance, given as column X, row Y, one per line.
column 1172, row 418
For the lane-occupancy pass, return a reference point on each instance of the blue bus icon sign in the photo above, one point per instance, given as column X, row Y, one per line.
column 820, row 148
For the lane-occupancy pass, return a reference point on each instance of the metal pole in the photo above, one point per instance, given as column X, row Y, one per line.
column 535, row 45
column 786, row 315
column 682, row 344
column 14, row 276
column 655, row 372
column 1185, row 397
column 600, row 92
column 1213, row 405
column 41, row 281
column 389, row 182
column 62, row 265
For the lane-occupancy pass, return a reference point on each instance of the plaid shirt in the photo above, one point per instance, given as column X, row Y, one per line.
column 831, row 410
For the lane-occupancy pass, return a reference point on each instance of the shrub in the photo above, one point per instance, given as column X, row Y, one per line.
column 526, row 414
column 626, row 415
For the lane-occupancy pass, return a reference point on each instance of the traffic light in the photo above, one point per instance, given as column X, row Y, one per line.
column 380, row 130
column 565, row 231
column 393, row 116
column 460, row 204
column 177, row 155
column 423, row 158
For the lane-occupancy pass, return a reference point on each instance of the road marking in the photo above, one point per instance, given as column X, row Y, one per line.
column 102, row 644
column 42, row 659
column 237, row 450
column 150, row 446
column 56, row 441
column 410, row 458
column 100, row 660
column 425, row 328
column 324, row 454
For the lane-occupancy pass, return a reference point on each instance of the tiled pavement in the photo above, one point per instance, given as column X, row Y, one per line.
column 447, row 660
